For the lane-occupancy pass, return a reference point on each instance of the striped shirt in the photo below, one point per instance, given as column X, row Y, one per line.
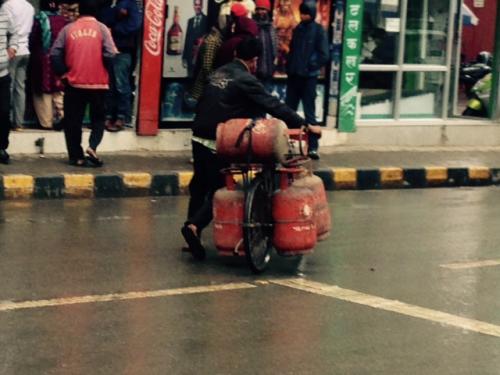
column 7, row 39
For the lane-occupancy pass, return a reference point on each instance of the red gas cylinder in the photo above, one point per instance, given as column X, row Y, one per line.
column 228, row 209
column 262, row 141
column 293, row 214
column 322, row 217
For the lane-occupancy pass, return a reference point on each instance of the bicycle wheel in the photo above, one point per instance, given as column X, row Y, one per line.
column 257, row 227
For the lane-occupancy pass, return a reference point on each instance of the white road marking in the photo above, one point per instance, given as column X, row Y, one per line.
column 9, row 305
column 332, row 291
column 466, row 265
column 353, row 296
column 51, row 220
column 59, row 220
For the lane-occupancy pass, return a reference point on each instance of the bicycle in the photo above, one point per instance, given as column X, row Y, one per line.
column 259, row 185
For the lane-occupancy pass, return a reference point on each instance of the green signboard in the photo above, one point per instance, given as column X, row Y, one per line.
column 351, row 55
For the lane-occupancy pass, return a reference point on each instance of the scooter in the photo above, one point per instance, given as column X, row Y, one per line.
column 471, row 73
column 479, row 98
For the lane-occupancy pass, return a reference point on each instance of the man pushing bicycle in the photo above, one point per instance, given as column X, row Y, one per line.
column 232, row 92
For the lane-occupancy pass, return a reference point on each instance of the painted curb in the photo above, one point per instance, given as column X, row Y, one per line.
column 172, row 183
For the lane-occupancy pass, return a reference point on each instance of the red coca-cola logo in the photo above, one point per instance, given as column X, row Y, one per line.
column 154, row 26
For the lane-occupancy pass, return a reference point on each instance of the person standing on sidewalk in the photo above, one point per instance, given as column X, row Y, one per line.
column 69, row 10
column 21, row 13
column 225, row 8
column 244, row 27
column 8, row 48
column 232, row 92
column 308, row 54
column 46, row 88
column 267, row 35
column 80, row 54
column 124, row 20
column 206, row 58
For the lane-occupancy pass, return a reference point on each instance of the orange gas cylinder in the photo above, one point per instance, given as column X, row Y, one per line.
column 293, row 214
column 260, row 141
column 322, row 217
column 228, row 208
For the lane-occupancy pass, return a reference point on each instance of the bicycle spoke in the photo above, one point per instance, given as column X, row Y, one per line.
column 258, row 223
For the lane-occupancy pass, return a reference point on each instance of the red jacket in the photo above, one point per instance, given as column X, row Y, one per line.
column 80, row 53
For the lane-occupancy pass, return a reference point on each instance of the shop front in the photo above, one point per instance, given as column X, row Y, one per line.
column 404, row 64
column 172, row 36
column 393, row 62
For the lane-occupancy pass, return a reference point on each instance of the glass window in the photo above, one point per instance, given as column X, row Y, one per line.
column 426, row 34
column 422, row 95
column 377, row 90
column 398, row 89
column 380, row 32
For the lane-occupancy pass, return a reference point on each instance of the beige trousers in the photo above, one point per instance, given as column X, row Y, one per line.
column 48, row 108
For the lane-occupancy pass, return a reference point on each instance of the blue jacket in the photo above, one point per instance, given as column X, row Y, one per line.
column 308, row 49
column 123, row 28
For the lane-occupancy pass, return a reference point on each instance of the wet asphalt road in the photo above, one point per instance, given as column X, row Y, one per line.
column 389, row 244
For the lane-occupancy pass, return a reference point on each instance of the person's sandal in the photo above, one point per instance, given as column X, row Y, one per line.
column 92, row 157
column 194, row 243
column 119, row 125
column 109, row 125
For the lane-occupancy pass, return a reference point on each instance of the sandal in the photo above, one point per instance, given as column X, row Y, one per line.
column 194, row 243
column 92, row 157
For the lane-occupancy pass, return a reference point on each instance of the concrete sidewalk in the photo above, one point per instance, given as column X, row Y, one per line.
column 166, row 173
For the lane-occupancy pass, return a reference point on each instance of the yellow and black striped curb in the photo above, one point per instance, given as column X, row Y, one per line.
column 133, row 184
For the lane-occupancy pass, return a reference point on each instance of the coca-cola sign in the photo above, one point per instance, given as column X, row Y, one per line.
column 153, row 26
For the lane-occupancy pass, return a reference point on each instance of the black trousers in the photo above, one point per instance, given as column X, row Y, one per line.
column 304, row 89
column 4, row 112
column 207, row 178
column 75, row 101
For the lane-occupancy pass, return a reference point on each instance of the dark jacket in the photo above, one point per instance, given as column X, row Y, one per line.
column 123, row 28
column 308, row 48
column 267, row 35
column 243, row 28
column 232, row 92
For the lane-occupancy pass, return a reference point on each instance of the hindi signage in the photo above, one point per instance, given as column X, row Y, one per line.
column 349, row 80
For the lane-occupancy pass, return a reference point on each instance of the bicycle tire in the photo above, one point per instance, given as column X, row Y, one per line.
column 257, row 227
